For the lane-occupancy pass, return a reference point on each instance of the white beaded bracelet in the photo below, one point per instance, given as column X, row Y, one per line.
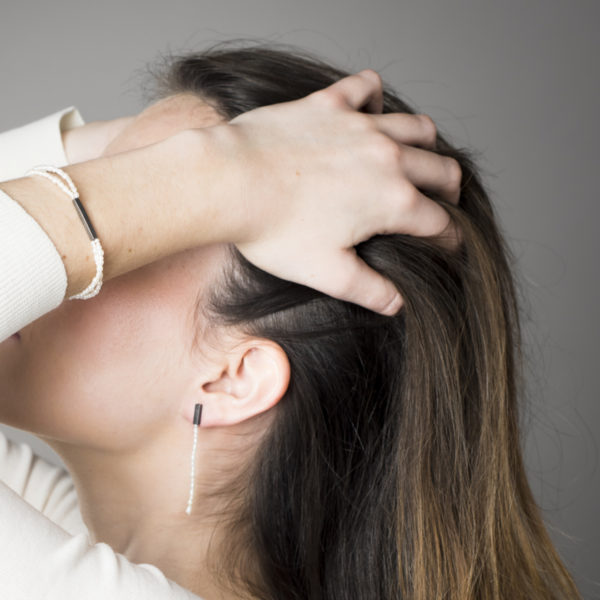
column 70, row 189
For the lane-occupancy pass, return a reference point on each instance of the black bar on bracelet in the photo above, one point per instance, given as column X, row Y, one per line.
column 85, row 219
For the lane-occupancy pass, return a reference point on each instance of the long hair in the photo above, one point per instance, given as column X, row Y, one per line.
column 393, row 467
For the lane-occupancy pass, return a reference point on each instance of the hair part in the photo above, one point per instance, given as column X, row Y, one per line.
column 393, row 467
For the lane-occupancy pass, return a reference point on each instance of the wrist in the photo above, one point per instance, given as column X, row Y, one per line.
column 207, row 163
column 54, row 213
column 156, row 200
column 89, row 141
column 232, row 176
column 114, row 191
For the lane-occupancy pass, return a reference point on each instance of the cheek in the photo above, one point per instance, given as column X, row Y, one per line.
column 100, row 370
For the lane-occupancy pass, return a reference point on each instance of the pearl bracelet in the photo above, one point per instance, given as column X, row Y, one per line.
column 70, row 189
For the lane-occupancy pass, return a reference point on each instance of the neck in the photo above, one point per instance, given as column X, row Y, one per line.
column 135, row 502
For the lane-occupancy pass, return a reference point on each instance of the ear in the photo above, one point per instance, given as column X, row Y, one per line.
column 246, row 381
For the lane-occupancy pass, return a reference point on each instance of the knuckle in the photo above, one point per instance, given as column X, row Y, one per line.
column 409, row 195
column 454, row 172
column 374, row 75
column 412, row 198
column 387, row 151
column 429, row 127
column 329, row 97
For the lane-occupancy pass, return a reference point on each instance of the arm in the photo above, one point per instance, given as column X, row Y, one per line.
column 89, row 140
column 28, row 258
column 226, row 184
column 116, row 191
column 38, row 142
column 31, row 270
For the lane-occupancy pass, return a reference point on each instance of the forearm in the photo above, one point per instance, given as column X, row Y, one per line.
column 89, row 141
column 133, row 204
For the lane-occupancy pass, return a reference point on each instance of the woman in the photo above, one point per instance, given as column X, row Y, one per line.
column 341, row 453
column 128, row 195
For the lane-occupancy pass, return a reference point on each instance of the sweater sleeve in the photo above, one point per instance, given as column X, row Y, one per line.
column 33, row 280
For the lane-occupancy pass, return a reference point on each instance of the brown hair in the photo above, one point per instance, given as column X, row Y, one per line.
column 393, row 468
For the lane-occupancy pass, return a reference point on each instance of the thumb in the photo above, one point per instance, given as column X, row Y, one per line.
column 349, row 278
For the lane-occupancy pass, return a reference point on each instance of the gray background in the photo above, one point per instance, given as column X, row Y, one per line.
column 517, row 81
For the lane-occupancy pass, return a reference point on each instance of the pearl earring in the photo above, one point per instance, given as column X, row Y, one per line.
column 197, row 418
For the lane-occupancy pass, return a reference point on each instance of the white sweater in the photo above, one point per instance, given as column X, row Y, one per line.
column 45, row 549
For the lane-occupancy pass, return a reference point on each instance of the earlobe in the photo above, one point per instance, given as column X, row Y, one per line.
column 253, row 377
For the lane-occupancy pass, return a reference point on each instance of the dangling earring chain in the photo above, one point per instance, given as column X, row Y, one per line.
column 197, row 418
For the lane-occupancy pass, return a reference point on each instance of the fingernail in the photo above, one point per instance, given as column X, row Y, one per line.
column 393, row 307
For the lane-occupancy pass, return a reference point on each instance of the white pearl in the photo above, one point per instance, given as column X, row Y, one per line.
column 188, row 510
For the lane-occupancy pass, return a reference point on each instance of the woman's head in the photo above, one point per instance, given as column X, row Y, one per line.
column 381, row 456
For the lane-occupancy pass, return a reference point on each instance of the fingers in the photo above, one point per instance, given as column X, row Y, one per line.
column 406, row 128
column 426, row 170
column 375, row 101
column 416, row 214
column 363, row 89
column 431, row 171
column 349, row 278
column 352, row 280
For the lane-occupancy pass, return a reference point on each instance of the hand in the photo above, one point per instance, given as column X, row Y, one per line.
column 89, row 141
column 315, row 177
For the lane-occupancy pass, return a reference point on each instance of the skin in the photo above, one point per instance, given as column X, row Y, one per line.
column 110, row 384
